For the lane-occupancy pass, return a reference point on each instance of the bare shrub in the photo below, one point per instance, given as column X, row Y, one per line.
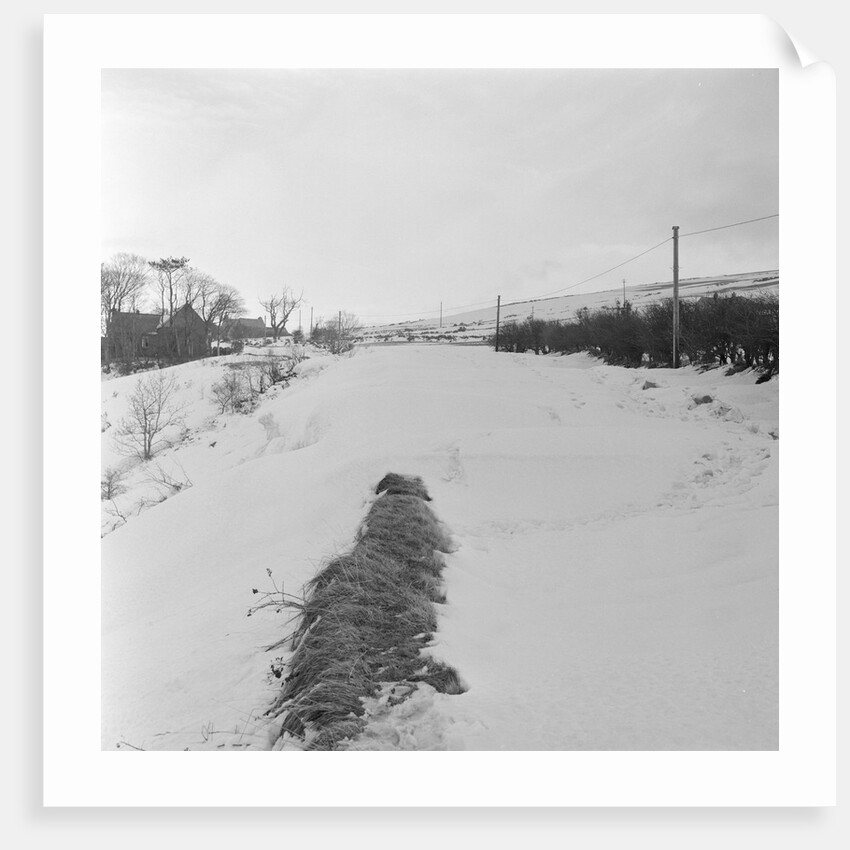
column 255, row 382
column 231, row 393
column 111, row 484
column 118, row 516
column 240, row 388
column 153, row 410
column 172, row 483
column 277, row 370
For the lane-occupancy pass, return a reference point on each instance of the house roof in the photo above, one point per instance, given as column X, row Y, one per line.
column 250, row 323
column 134, row 322
column 186, row 309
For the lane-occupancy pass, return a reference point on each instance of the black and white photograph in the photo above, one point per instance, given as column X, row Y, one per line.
column 440, row 409
column 437, row 368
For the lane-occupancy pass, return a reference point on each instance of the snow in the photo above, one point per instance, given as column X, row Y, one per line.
column 474, row 325
column 613, row 583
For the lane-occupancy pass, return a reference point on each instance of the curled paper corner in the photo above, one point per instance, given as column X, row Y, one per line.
column 792, row 49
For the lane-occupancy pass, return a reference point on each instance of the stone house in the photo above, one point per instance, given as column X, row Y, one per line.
column 135, row 335
column 245, row 328
column 126, row 335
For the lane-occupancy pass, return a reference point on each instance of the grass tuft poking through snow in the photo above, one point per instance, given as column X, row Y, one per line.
column 365, row 619
column 402, row 485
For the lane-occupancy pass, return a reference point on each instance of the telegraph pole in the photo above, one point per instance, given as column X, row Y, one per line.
column 498, row 309
column 441, row 314
column 676, row 297
column 311, row 323
column 624, row 293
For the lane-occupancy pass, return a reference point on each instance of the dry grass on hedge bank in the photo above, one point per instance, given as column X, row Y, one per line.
column 365, row 619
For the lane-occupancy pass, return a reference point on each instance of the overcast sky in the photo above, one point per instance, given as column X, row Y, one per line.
column 386, row 192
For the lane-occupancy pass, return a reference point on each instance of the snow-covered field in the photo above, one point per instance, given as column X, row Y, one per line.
column 475, row 325
column 614, row 578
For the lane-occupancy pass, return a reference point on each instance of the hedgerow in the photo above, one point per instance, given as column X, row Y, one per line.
column 741, row 331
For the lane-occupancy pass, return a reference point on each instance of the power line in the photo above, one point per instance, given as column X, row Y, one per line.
column 426, row 312
column 600, row 274
column 724, row 226
column 398, row 315
column 579, row 283
column 653, row 248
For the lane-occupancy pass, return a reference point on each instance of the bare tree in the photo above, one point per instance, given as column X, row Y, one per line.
column 203, row 290
column 229, row 306
column 339, row 334
column 271, row 306
column 169, row 272
column 123, row 284
column 280, row 308
column 217, row 304
column 153, row 409
column 189, row 287
column 192, row 287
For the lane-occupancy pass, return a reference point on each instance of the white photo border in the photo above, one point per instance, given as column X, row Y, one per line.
column 78, row 773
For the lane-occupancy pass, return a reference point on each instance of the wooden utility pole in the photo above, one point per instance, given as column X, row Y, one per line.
column 624, row 293
column 441, row 314
column 498, row 310
column 676, row 297
column 311, row 323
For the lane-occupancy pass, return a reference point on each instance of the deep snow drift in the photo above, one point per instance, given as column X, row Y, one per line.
column 614, row 579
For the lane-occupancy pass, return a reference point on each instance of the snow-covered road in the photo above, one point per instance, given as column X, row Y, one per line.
column 614, row 583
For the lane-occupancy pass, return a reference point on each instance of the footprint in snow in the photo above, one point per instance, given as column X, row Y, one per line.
column 455, row 466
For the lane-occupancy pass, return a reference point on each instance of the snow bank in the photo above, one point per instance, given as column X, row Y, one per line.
column 613, row 584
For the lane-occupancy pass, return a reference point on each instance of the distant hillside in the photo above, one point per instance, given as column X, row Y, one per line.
column 476, row 325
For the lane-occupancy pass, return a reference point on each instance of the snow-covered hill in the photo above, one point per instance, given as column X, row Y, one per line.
column 478, row 324
column 613, row 583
